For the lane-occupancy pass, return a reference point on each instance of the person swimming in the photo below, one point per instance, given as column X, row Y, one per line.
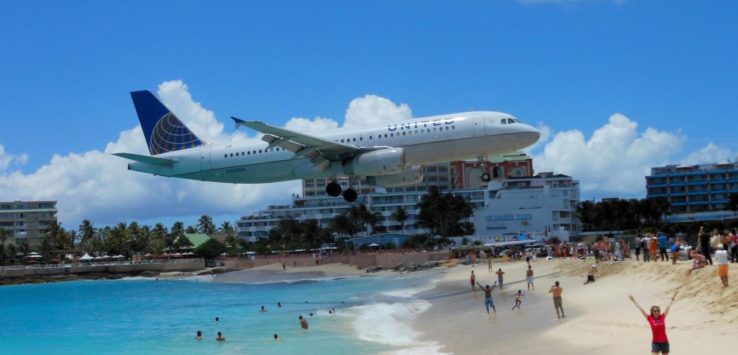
column 276, row 337
column 262, row 309
column 279, row 304
column 220, row 337
column 198, row 336
column 217, row 319
column 303, row 322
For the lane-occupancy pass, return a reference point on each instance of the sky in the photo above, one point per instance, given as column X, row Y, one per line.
column 616, row 87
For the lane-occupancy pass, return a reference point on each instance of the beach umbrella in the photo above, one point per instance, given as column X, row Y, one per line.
column 374, row 245
column 34, row 256
column 86, row 257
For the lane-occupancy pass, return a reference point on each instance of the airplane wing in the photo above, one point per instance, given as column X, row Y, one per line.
column 147, row 159
column 318, row 150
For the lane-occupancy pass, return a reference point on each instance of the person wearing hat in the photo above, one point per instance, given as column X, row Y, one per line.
column 721, row 255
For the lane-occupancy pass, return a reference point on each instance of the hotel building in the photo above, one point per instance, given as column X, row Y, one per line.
column 694, row 188
column 27, row 220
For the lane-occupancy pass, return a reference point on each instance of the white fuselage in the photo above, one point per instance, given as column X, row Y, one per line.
column 424, row 140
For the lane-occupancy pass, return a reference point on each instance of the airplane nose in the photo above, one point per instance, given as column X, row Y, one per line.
column 530, row 134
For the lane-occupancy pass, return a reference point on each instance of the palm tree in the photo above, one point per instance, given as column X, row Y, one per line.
column 444, row 214
column 205, row 224
column 177, row 231
column 87, row 235
column 400, row 216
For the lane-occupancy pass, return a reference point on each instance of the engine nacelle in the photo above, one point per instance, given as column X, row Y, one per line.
column 411, row 176
column 377, row 163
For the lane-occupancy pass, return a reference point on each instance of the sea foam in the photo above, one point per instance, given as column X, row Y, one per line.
column 389, row 324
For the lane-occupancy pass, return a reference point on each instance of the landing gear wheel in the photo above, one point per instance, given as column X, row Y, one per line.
column 350, row 195
column 333, row 189
column 485, row 177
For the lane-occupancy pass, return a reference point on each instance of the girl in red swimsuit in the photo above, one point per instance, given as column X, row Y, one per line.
column 657, row 320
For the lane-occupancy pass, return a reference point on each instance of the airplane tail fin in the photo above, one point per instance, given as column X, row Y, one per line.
column 164, row 132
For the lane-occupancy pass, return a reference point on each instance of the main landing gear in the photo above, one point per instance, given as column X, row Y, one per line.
column 334, row 189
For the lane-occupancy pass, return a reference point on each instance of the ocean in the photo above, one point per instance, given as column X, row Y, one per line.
column 144, row 316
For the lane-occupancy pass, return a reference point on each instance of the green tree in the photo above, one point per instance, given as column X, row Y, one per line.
column 210, row 249
column 444, row 214
column 177, row 231
column 205, row 225
column 400, row 216
column 87, row 236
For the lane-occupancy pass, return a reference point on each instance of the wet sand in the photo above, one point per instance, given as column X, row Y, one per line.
column 275, row 273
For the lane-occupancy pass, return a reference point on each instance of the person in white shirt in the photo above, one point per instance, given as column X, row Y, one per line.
column 721, row 255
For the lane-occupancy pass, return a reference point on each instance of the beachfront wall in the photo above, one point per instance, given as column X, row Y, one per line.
column 49, row 270
column 385, row 260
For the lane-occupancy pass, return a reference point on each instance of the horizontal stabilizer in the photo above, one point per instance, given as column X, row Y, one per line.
column 147, row 159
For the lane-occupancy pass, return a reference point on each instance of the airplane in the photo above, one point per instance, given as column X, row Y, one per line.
column 387, row 155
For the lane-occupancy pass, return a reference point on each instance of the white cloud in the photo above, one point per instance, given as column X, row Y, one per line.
column 710, row 153
column 372, row 109
column 7, row 160
column 615, row 159
column 317, row 125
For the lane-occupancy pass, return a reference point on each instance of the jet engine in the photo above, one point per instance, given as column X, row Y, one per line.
column 411, row 176
column 380, row 162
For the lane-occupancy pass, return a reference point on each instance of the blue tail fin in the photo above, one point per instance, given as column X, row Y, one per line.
column 164, row 132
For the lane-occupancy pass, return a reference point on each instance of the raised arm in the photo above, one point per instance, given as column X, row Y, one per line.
column 480, row 286
column 495, row 285
column 673, row 298
column 639, row 307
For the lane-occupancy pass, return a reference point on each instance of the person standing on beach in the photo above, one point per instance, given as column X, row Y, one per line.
column 662, row 247
column 556, row 290
column 303, row 322
column 644, row 246
column 653, row 248
column 721, row 256
column 529, row 278
column 472, row 280
column 518, row 300
column 488, row 302
column 675, row 251
column 638, row 248
column 500, row 276
column 659, row 343
column 489, row 262
column 734, row 249
column 704, row 243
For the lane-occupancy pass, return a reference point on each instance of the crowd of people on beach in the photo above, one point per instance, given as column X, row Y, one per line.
column 650, row 247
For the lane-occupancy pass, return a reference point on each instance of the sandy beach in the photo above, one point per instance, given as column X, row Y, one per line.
column 600, row 319
column 275, row 273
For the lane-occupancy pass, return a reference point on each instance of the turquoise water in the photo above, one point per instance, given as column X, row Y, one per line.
column 155, row 317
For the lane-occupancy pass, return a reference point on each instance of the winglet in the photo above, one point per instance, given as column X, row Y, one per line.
column 239, row 122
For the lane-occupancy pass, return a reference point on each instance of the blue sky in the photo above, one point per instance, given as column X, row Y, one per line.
column 66, row 68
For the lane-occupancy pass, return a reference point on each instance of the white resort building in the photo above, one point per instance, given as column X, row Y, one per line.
column 512, row 202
